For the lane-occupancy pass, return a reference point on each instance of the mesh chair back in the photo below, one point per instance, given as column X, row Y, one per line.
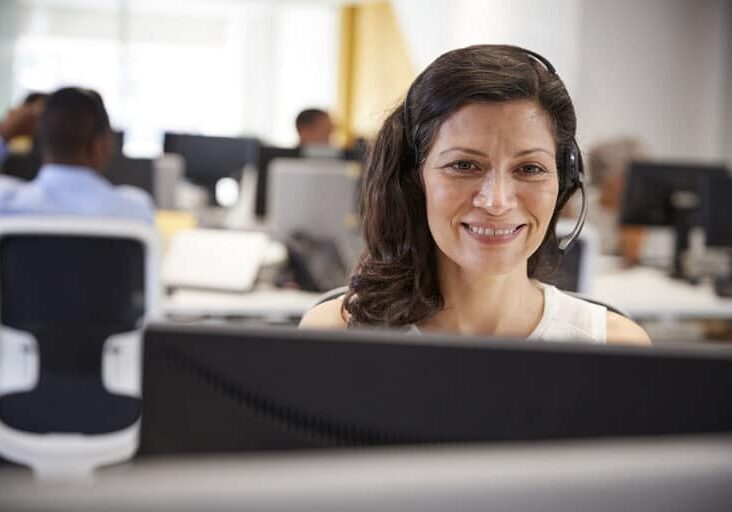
column 71, row 293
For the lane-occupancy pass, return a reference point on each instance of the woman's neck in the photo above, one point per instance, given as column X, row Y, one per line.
column 476, row 303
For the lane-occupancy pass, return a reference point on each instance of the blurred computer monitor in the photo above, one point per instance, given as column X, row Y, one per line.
column 717, row 221
column 269, row 153
column 667, row 194
column 265, row 157
column 24, row 166
column 135, row 172
column 222, row 389
column 210, row 159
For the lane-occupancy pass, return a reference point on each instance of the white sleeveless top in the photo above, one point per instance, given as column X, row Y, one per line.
column 565, row 318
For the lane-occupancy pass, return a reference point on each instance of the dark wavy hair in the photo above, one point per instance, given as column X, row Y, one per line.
column 395, row 282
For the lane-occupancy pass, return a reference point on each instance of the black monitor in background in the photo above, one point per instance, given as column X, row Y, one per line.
column 266, row 155
column 136, row 172
column 24, row 166
column 717, row 222
column 667, row 194
column 209, row 159
column 716, row 212
column 218, row 389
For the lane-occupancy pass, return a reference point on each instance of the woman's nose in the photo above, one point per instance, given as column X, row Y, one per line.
column 496, row 194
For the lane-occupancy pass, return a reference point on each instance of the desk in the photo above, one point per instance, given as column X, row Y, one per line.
column 269, row 305
column 691, row 473
column 649, row 294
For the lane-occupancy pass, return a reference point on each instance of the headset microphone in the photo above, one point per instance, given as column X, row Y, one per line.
column 566, row 241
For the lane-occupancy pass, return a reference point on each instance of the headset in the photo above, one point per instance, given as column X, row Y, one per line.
column 569, row 159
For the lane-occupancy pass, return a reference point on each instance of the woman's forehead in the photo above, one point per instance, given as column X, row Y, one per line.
column 520, row 122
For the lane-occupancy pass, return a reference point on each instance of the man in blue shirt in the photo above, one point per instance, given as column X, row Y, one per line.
column 78, row 145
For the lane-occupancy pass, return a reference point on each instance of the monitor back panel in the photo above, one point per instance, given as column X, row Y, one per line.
column 212, row 389
column 717, row 220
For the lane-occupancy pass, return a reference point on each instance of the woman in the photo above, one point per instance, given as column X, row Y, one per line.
column 461, row 193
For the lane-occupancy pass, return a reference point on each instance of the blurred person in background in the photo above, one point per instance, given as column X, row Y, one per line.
column 21, row 122
column 77, row 145
column 608, row 163
column 20, row 152
column 314, row 128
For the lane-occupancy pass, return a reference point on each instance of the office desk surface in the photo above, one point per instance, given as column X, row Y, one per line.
column 648, row 293
column 691, row 473
column 267, row 304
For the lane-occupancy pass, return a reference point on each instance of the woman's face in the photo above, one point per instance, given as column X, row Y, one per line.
column 491, row 184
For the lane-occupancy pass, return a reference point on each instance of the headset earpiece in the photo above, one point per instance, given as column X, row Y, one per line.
column 573, row 179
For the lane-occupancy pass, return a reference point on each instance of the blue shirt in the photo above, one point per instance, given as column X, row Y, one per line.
column 3, row 150
column 73, row 190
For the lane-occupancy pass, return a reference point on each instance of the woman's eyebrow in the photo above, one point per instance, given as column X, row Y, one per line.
column 464, row 150
column 525, row 152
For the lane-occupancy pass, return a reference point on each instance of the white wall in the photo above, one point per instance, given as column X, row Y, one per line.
column 549, row 27
column 658, row 69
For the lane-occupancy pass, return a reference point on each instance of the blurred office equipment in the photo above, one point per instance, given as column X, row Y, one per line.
column 135, row 172
column 718, row 226
column 265, row 157
column 210, row 159
column 74, row 297
column 577, row 267
column 160, row 177
column 239, row 389
column 665, row 194
column 313, row 207
column 267, row 154
column 212, row 259
column 23, row 166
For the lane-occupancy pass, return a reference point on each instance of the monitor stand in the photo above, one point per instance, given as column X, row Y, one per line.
column 684, row 206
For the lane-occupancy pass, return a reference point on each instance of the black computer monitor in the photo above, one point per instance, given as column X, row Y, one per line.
column 666, row 194
column 136, row 172
column 209, row 159
column 24, row 166
column 210, row 389
column 717, row 221
column 265, row 157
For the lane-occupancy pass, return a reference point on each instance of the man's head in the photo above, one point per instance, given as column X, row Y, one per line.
column 75, row 129
column 314, row 127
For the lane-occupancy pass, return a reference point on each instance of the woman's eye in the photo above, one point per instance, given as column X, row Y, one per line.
column 463, row 166
column 531, row 170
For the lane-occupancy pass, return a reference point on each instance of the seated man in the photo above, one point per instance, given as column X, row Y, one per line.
column 77, row 147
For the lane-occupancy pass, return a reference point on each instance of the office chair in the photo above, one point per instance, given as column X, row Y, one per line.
column 74, row 296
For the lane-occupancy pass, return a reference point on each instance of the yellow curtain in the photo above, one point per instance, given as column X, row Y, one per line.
column 375, row 69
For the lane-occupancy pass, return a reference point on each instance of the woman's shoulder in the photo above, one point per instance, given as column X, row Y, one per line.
column 327, row 315
column 624, row 331
column 593, row 318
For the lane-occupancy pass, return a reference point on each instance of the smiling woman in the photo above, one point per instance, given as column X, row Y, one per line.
column 461, row 195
